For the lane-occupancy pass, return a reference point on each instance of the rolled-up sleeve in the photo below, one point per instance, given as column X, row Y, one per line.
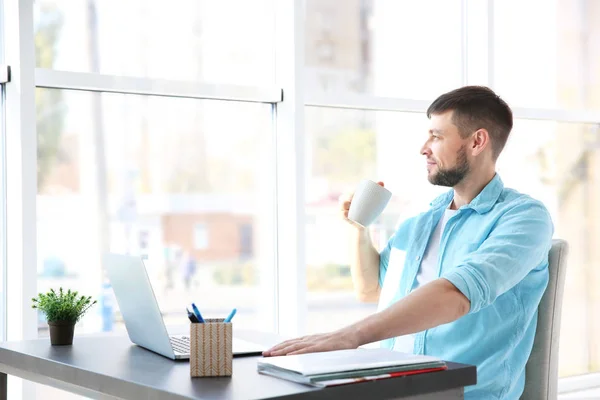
column 518, row 243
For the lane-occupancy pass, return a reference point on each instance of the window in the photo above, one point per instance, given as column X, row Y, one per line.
column 551, row 161
column 191, row 185
column 558, row 163
column 382, row 47
column 343, row 147
column 229, row 41
column 201, row 237
column 246, row 240
column 553, row 65
column 179, row 170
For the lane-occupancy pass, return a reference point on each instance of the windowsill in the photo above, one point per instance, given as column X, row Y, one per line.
column 580, row 385
column 583, row 394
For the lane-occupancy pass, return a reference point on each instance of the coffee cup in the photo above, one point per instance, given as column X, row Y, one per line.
column 368, row 202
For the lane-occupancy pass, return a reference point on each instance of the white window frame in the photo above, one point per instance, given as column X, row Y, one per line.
column 4, row 70
column 90, row 82
column 578, row 383
column 289, row 122
column 21, row 164
column 285, row 232
column 21, row 180
column 2, row 213
column 4, row 78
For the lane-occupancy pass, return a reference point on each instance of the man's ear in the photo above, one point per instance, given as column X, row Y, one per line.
column 480, row 140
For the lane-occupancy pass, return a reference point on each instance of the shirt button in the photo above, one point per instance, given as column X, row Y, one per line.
column 417, row 258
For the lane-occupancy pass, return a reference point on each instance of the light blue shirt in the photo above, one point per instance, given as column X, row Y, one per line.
column 495, row 251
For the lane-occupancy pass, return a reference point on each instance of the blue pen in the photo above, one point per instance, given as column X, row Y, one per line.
column 231, row 314
column 197, row 313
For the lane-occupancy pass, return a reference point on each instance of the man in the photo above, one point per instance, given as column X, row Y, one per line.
column 463, row 280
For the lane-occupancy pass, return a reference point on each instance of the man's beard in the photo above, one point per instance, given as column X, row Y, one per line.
column 453, row 176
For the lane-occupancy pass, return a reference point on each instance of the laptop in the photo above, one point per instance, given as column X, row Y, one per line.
column 140, row 311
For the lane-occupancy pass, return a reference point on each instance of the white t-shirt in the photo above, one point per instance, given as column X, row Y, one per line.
column 428, row 271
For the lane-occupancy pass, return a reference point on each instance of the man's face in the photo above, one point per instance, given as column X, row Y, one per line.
column 446, row 152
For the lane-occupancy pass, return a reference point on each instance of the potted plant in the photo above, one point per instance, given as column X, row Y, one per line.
column 63, row 310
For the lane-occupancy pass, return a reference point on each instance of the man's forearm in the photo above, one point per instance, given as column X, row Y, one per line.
column 437, row 303
column 365, row 266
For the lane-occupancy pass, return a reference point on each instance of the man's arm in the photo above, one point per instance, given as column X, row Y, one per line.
column 436, row 303
column 368, row 266
column 518, row 244
column 364, row 266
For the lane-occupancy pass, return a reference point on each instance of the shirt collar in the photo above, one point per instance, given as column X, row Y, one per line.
column 482, row 203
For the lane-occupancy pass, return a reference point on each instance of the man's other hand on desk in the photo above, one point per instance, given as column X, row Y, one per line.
column 339, row 340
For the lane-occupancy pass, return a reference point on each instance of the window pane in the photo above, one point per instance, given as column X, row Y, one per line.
column 384, row 47
column 228, row 41
column 558, row 163
column 181, row 184
column 556, row 63
column 343, row 147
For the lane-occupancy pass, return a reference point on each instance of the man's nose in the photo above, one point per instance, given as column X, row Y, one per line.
column 425, row 150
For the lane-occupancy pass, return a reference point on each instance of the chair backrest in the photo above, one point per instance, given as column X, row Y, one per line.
column 541, row 374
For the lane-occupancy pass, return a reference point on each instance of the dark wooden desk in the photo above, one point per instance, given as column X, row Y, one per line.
column 109, row 367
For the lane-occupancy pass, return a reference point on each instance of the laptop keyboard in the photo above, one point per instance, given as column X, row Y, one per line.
column 181, row 344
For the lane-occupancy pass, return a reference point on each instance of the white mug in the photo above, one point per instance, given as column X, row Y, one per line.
column 368, row 202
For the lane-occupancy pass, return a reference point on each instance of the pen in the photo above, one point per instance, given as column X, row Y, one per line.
column 197, row 313
column 231, row 314
column 191, row 316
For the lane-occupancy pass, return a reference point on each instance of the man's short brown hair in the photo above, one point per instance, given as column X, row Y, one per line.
column 477, row 107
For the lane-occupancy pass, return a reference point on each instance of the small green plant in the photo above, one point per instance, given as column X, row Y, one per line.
column 64, row 306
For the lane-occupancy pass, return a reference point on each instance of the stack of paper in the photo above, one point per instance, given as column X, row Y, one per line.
column 347, row 366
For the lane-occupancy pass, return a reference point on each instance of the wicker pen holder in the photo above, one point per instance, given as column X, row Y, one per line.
column 211, row 349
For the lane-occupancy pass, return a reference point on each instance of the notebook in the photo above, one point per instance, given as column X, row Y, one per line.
column 346, row 365
column 346, row 381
